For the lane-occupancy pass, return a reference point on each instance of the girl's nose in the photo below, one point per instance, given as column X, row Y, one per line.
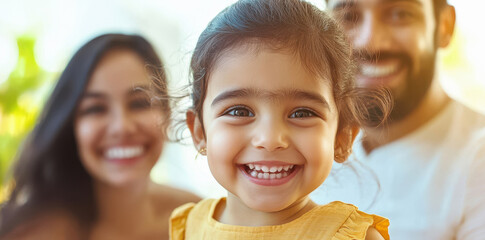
column 271, row 135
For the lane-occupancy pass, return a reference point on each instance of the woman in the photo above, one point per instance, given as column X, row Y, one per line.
column 84, row 170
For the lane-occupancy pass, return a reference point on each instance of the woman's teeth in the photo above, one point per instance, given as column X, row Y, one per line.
column 265, row 172
column 123, row 152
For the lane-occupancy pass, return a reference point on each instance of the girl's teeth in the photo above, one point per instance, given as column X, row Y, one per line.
column 265, row 172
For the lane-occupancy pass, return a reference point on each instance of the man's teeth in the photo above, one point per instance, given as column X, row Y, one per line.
column 265, row 172
column 123, row 152
column 370, row 70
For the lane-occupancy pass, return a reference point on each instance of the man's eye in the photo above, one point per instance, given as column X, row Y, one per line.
column 140, row 104
column 239, row 112
column 347, row 18
column 399, row 15
column 302, row 114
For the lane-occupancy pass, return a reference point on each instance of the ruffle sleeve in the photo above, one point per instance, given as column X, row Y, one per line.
column 178, row 220
column 357, row 224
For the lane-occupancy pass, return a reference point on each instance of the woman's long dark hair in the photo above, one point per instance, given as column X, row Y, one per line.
column 48, row 173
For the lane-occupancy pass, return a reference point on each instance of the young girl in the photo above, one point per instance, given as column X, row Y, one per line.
column 84, row 171
column 274, row 105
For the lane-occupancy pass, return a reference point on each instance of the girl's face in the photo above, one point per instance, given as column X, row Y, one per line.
column 270, row 128
column 117, row 131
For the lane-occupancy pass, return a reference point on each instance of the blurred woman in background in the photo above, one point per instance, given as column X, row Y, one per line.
column 83, row 173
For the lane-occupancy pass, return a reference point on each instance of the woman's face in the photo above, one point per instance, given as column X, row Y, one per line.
column 118, row 132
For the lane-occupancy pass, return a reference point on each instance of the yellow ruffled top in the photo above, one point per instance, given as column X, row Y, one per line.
column 336, row 221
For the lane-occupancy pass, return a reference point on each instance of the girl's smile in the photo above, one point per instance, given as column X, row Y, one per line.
column 269, row 173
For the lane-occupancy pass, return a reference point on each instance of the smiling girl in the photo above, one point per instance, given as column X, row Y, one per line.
column 274, row 104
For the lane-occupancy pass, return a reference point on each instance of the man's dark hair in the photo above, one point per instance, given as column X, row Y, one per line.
column 437, row 6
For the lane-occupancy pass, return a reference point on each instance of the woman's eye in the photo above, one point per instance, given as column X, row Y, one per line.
column 239, row 112
column 140, row 104
column 302, row 114
column 93, row 110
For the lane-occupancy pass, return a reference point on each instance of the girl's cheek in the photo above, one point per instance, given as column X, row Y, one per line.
column 225, row 140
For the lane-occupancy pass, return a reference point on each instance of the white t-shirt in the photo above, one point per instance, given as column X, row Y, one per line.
column 430, row 184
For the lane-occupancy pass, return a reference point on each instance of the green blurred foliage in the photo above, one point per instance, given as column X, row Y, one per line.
column 19, row 104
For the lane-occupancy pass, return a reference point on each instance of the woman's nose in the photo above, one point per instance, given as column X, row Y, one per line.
column 121, row 123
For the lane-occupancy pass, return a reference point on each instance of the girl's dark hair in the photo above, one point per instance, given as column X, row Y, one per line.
column 48, row 173
column 309, row 33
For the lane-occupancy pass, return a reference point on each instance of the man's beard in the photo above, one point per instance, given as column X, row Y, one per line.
column 410, row 93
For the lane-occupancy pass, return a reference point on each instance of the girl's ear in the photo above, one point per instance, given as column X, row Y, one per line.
column 196, row 130
column 343, row 143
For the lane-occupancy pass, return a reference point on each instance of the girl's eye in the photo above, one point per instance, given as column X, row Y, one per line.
column 141, row 103
column 239, row 112
column 92, row 110
column 302, row 113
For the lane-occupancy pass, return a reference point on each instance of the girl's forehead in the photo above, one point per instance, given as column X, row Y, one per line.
column 266, row 73
column 254, row 48
column 261, row 61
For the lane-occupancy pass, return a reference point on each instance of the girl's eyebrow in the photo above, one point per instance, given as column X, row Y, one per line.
column 280, row 94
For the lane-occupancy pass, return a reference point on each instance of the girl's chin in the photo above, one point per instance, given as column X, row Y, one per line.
column 268, row 206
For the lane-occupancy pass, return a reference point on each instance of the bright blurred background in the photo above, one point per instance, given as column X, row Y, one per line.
column 37, row 39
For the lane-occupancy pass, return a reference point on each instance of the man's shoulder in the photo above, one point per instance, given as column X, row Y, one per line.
column 468, row 115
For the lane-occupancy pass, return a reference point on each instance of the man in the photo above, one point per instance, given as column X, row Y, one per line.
column 429, row 158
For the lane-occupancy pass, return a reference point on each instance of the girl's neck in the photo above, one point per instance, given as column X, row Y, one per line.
column 123, row 208
column 235, row 212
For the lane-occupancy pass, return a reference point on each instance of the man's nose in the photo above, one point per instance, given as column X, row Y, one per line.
column 271, row 134
column 371, row 35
